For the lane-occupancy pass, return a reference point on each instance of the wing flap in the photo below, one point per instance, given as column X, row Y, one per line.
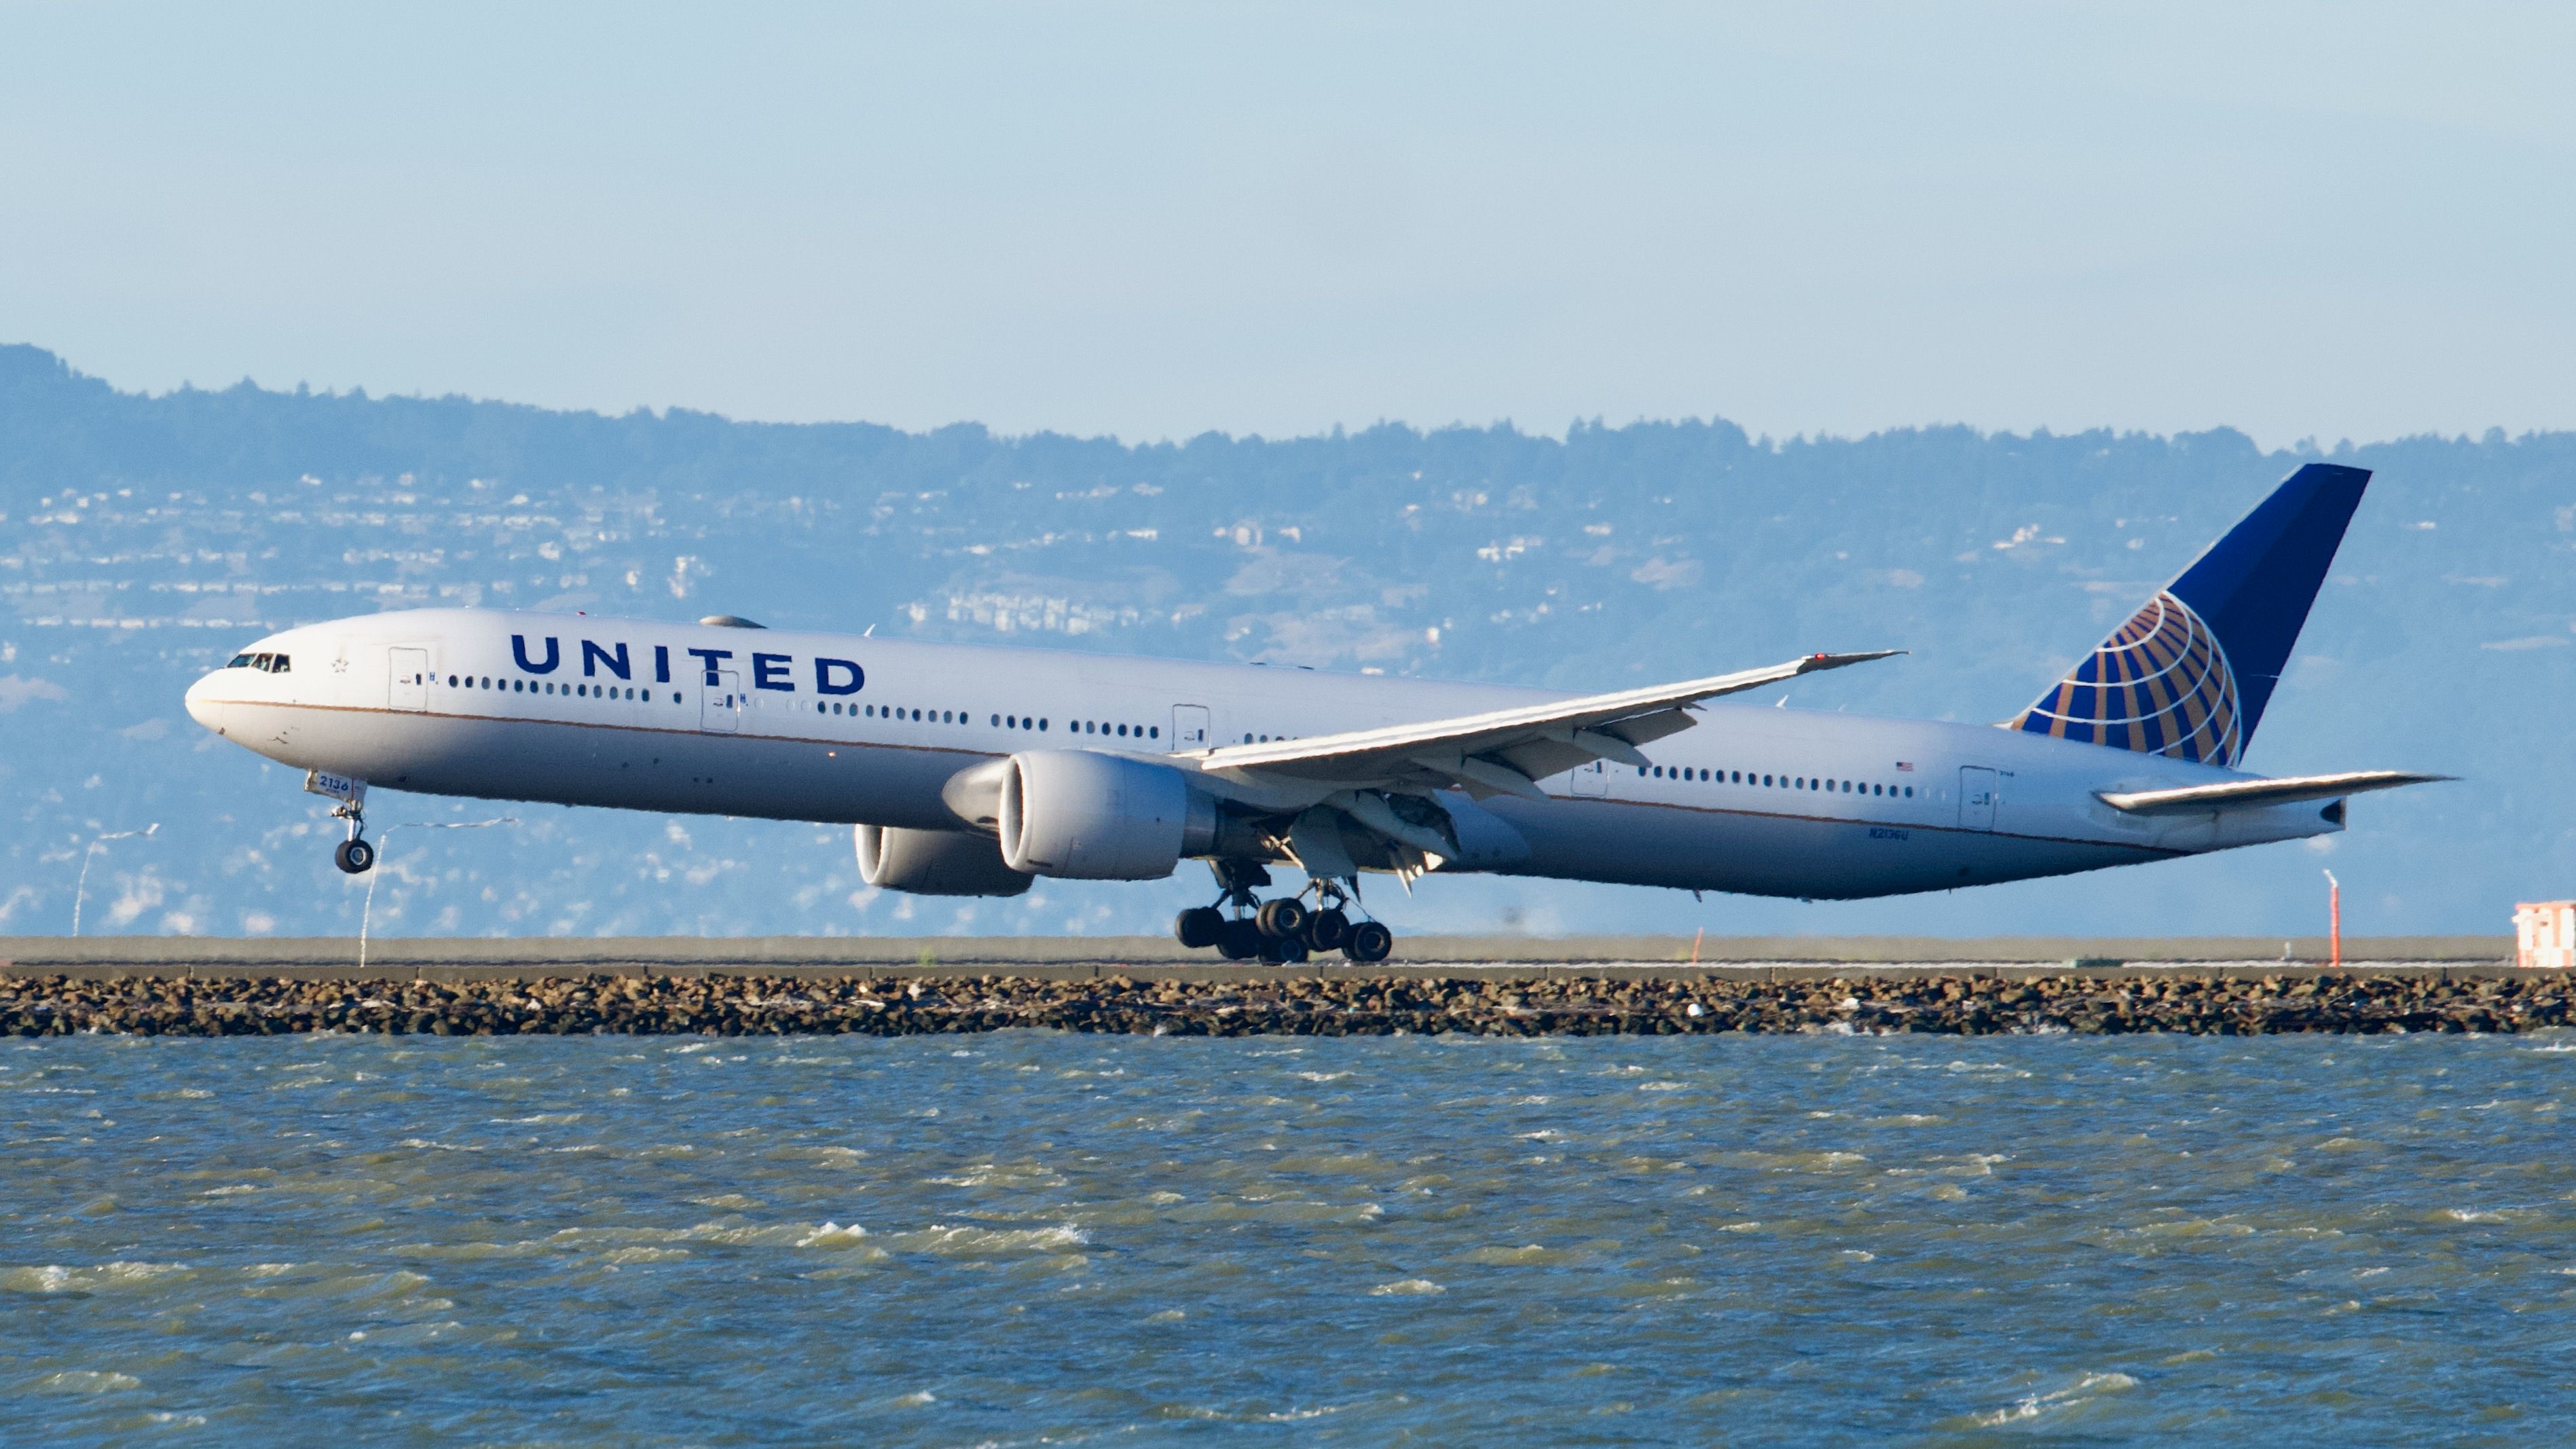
column 1575, row 731
column 2252, row 794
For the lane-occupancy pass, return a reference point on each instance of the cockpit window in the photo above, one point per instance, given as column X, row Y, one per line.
column 240, row 661
column 277, row 664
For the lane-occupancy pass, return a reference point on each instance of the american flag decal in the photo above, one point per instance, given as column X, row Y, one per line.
column 1906, row 765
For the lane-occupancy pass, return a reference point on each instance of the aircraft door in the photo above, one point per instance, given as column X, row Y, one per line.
column 1189, row 727
column 720, row 704
column 1592, row 779
column 1976, row 798
column 410, row 687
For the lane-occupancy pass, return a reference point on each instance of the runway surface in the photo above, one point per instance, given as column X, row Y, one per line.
column 1096, row 957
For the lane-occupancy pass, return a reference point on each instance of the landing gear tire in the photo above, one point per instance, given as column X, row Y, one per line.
column 1327, row 929
column 356, row 857
column 1242, row 941
column 1370, row 942
column 1284, row 951
column 1281, row 919
column 1199, row 927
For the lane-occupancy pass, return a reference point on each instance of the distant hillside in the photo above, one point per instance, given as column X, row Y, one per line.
column 146, row 536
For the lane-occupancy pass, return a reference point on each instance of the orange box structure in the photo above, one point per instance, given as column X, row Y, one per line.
column 2545, row 935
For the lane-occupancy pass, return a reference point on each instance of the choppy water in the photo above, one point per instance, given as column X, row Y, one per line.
column 1026, row 1238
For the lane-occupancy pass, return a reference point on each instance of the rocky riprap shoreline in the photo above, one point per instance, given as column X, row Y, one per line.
column 722, row 1005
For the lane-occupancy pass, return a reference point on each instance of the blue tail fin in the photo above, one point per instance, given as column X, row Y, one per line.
column 2188, row 674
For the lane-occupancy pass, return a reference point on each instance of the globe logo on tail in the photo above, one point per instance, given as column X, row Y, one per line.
column 2160, row 685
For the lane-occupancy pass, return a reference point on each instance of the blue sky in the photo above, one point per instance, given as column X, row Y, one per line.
column 2346, row 220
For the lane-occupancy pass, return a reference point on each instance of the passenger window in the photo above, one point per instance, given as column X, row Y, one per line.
column 1154, row 732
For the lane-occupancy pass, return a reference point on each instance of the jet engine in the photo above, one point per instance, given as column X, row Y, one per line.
column 935, row 863
column 1090, row 816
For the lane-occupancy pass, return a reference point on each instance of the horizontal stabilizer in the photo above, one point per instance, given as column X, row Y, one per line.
column 2251, row 794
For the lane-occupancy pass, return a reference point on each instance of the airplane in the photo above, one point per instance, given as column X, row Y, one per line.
column 972, row 770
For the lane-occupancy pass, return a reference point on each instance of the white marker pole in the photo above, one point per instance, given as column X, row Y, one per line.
column 366, row 913
column 97, row 843
column 2334, row 919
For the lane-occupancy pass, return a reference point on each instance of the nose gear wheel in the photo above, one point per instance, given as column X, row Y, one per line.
column 353, row 855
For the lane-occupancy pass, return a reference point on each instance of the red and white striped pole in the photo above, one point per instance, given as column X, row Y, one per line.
column 2334, row 918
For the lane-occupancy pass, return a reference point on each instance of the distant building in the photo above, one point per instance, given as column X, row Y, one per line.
column 2545, row 935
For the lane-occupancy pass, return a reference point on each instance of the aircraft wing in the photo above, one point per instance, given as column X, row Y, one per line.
column 1508, row 751
column 2248, row 794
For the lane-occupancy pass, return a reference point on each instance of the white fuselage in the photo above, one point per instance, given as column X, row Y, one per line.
column 643, row 715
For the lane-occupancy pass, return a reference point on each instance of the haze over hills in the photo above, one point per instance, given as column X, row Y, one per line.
column 142, row 539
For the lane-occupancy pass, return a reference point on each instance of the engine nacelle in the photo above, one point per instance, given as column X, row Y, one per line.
column 1088, row 816
column 935, row 863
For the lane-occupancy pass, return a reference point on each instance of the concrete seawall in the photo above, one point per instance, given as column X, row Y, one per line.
column 1627, row 986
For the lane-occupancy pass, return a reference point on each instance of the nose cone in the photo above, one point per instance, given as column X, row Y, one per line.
column 205, row 702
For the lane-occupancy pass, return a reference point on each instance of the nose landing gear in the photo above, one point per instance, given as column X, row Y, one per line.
column 353, row 855
column 1283, row 930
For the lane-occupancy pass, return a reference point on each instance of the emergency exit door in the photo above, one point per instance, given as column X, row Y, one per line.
column 1189, row 727
column 1976, row 798
column 720, row 703
column 410, row 687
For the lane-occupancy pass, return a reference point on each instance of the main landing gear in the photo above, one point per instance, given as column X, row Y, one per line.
column 354, row 854
column 1283, row 930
